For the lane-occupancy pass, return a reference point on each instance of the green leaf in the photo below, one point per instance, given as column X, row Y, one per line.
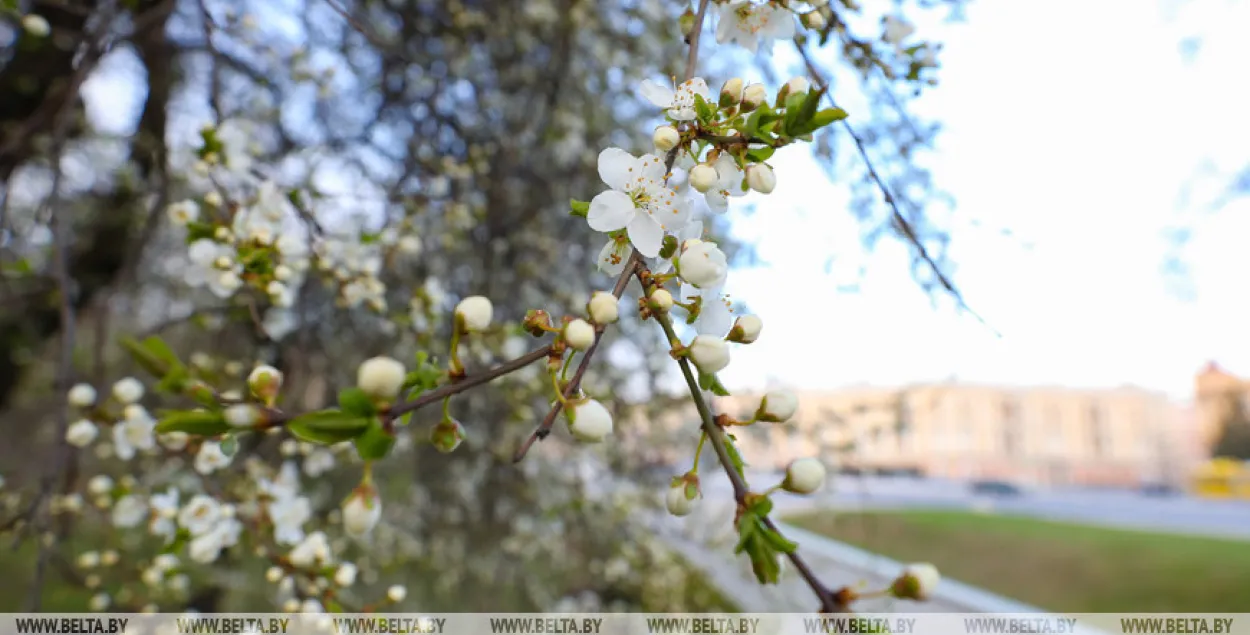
column 760, row 155
column 705, row 110
column 375, row 443
column 180, row 540
column 705, row 381
column 578, row 208
column 735, row 457
column 143, row 357
column 752, row 125
column 425, row 376
column 826, row 117
column 778, row 541
column 354, row 401
column 230, row 445
column 794, row 104
column 200, row 231
column 197, row 422
column 327, row 427
column 811, row 103
column 716, row 387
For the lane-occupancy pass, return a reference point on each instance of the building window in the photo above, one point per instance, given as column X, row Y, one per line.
column 1098, row 431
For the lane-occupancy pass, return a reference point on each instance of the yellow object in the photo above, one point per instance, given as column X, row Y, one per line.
column 1222, row 478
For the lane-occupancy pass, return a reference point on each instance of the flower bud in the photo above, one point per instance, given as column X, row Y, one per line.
column 100, row 484
column 703, row 177
column 804, row 476
column 396, row 593
column 753, row 96
column 579, row 334
column 361, row 512
column 589, row 420
column 81, row 433
column 731, row 93
column 682, row 495
column 36, row 25
column 665, row 138
column 814, row 20
column 128, row 390
column 474, row 313
column 447, row 435
column 703, row 265
column 917, row 582
column 274, row 574
column 345, row 575
column 604, row 308
column 709, row 353
column 660, row 300
column 264, row 382
column 760, row 178
column 746, row 329
column 242, row 415
column 381, row 377
column 686, row 22
column 536, row 322
column 777, row 406
column 669, row 247
column 81, row 396
column 798, row 85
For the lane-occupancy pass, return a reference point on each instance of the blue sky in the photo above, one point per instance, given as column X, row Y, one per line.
column 1078, row 126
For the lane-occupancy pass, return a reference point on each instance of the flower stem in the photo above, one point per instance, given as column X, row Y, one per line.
column 698, row 452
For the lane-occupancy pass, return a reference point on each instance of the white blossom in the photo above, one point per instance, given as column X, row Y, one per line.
column 210, row 458
column 778, row 406
column 183, row 212
column 604, row 308
column 679, row 102
column 665, row 138
column 702, row 264
column 136, row 432
column 761, row 178
column 128, row 390
column 345, row 575
column 752, row 25
column 81, row 433
column 81, row 396
column 37, row 26
column 639, row 201
column 318, row 463
column 804, row 476
column 709, row 353
column 579, row 334
column 475, row 312
column 100, row 484
column 396, row 593
column 381, row 377
column 129, row 510
column 288, row 516
column 924, row 578
column 361, row 512
column 164, row 512
column 314, row 550
column 200, row 514
column 591, row 421
column 746, row 329
column 677, row 502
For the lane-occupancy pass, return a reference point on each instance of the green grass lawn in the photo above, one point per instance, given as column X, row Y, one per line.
column 1056, row 566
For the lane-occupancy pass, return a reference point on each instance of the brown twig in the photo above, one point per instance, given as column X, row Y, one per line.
column 900, row 221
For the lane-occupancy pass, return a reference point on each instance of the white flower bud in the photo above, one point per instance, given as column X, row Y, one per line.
column 410, row 245
column 703, row 177
column 381, row 377
column 229, row 280
column 283, row 273
column 778, row 406
column 665, row 138
column 291, row 605
column 128, row 390
column 396, row 593
column 753, row 96
column 604, row 308
column 746, row 329
column 274, row 575
column 702, row 264
column 918, row 581
column 804, row 476
column 81, row 433
column 709, row 353
column 475, row 313
column 760, row 178
column 579, row 334
column 361, row 513
column 81, row 396
column 731, row 92
column 677, row 502
column 183, row 212
column 265, row 381
column 661, row 300
column 590, row 421
column 213, row 199
column 798, row 85
column 100, row 484
column 346, row 575
column 99, row 602
column 109, row 558
column 37, row 26
column 814, row 20
column 88, row 560
column 242, row 415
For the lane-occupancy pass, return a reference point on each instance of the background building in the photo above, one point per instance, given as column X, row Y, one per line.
column 1042, row 435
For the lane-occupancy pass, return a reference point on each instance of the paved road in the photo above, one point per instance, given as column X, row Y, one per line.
column 1181, row 514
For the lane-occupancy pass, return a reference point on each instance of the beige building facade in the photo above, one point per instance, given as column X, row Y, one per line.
column 1045, row 436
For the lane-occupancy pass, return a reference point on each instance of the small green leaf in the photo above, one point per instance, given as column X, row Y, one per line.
column 704, row 110
column 578, row 208
column 375, row 443
column 198, row 422
column 705, row 381
column 778, row 541
column 354, row 401
column 826, row 117
column 230, row 445
column 143, row 357
column 327, row 427
column 760, row 155
column 735, row 457
column 199, row 231
column 716, row 387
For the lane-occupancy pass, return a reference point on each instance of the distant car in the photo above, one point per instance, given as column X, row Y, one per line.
column 1159, row 489
column 995, row 488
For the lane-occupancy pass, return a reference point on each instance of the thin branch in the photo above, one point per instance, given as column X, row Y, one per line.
column 899, row 220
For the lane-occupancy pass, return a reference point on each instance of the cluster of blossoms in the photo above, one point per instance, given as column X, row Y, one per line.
column 709, row 150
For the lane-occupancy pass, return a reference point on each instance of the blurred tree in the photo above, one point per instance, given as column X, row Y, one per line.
column 1234, row 439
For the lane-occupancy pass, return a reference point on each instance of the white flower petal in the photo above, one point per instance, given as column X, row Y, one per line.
column 610, row 211
column 614, row 167
column 657, row 93
column 646, row 235
column 612, row 257
column 699, row 87
column 651, row 167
